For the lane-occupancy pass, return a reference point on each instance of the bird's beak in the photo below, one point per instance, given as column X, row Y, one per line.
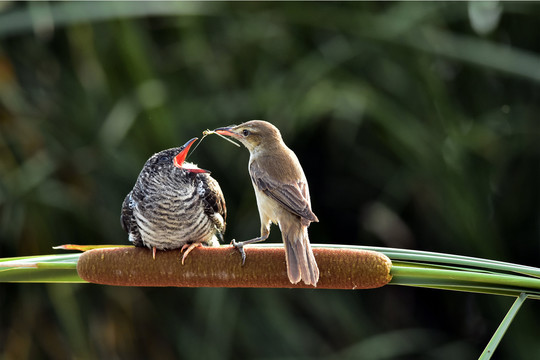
column 181, row 157
column 228, row 131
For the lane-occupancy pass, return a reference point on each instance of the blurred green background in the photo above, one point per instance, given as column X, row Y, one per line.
column 417, row 125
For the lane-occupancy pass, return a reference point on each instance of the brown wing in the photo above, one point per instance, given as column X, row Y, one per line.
column 293, row 196
column 214, row 202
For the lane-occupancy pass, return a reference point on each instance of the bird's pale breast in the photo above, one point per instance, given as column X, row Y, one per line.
column 174, row 217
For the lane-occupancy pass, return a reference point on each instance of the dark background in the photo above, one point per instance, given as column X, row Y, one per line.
column 417, row 125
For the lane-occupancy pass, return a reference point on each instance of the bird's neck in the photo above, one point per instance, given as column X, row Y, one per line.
column 270, row 147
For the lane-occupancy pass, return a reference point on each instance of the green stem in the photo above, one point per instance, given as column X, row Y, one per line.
column 501, row 330
column 404, row 274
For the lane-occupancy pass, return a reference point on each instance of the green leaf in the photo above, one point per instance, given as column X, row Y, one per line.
column 501, row 330
column 40, row 269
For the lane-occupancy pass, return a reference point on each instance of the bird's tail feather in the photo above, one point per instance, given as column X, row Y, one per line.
column 301, row 264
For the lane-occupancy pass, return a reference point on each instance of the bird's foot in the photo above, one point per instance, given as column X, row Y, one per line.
column 189, row 247
column 240, row 247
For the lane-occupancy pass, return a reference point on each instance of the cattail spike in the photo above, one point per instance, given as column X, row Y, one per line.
column 220, row 267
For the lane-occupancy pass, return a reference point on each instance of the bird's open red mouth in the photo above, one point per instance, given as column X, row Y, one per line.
column 181, row 157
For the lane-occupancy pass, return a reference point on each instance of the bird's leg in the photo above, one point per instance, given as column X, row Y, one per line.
column 154, row 253
column 189, row 247
column 265, row 232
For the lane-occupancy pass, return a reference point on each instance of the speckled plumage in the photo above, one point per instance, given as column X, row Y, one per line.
column 172, row 206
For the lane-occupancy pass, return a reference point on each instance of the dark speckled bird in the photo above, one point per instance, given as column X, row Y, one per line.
column 174, row 204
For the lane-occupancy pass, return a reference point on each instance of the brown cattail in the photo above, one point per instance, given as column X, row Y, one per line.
column 219, row 267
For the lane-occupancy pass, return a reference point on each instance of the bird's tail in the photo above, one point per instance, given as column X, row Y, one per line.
column 301, row 264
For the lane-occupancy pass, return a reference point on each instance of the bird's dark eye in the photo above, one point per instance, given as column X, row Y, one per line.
column 163, row 159
column 245, row 132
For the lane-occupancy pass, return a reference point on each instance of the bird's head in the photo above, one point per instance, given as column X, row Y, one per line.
column 253, row 134
column 175, row 157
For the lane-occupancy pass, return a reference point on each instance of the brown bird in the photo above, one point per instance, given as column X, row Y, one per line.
column 174, row 204
column 282, row 195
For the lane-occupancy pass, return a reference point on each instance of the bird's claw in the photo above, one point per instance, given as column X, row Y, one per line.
column 240, row 247
column 189, row 247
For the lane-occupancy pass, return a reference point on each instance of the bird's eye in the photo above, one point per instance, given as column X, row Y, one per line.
column 245, row 132
column 163, row 159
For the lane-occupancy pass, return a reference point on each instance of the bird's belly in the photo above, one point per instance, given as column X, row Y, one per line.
column 268, row 208
column 167, row 230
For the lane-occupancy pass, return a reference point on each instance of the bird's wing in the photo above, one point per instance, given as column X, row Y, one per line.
column 128, row 221
column 293, row 196
column 214, row 202
column 126, row 215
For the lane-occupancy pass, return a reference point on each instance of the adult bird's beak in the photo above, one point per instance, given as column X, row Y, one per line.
column 181, row 157
column 226, row 131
